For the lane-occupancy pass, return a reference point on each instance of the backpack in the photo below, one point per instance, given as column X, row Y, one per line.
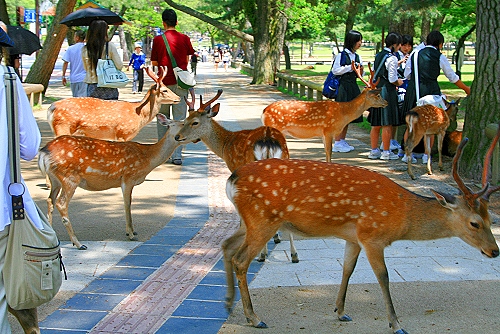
column 331, row 84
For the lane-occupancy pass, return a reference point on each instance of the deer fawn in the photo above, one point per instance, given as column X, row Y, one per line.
column 110, row 120
column 235, row 148
column 94, row 164
column 325, row 119
column 365, row 208
column 424, row 121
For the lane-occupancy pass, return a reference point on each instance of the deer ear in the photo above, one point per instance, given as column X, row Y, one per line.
column 446, row 200
column 163, row 120
column 214, row 110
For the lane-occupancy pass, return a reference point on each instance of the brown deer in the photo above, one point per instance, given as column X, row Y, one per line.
column 325, row 119
column 94, row 165
column 235, row 148
column 110, row 120
column 361, row 206
column 425, row 121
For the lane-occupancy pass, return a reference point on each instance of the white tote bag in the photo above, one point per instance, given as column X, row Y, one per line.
column 108, row 75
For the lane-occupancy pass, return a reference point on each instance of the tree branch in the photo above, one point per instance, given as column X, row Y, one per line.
column 208, row 19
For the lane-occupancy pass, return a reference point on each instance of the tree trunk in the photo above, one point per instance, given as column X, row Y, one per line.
column 42, row 68
column 484, row 102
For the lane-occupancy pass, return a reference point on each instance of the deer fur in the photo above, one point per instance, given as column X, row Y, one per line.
column 107, row 119
column 324, row 119
column 425, row 121
column 235, row 148
column 361, row 206
column 28, row 319
column 94, row 165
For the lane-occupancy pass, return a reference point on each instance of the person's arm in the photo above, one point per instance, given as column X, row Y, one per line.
column 391, row 63
column 29, row 133
column 463, row 86
column 64, row 68
column 451, row 75
column 113, row 53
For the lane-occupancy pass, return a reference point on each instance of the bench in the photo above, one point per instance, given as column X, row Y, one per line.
column 31, row 91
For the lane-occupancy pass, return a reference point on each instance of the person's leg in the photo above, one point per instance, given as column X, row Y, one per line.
column 179, row 112
column 374, row 136
column 135, row 81
column 4, row 323
column 141, row 79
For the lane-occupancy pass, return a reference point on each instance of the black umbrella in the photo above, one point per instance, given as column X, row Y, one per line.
column 83, row 17
column 25, row 42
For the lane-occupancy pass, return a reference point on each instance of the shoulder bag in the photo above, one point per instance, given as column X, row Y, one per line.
column 185, row 79
column 332, row 82
column 108, row 75
column 33, row 267
column 435, row 100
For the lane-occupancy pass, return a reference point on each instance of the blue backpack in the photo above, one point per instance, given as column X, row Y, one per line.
column 331, row 85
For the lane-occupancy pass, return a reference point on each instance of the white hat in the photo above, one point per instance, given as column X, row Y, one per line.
column 138, row 45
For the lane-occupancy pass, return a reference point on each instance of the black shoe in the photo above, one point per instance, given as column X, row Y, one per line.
column 177, row 162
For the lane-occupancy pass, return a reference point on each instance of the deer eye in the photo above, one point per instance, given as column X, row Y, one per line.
column 195, row 123
column 475, row 225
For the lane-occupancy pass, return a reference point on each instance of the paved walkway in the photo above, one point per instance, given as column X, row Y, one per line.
column 174, row 282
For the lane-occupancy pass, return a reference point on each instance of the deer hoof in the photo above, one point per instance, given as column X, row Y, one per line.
column 277, row 238
column 295, row 258
column 82, row 247
column 261, row 258
column 345, row 318
column 401, row 331
column 261, row 325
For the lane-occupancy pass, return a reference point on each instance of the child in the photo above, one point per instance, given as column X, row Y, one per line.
column 138, row 60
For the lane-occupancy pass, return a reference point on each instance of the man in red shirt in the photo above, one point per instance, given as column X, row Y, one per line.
column 182, row 50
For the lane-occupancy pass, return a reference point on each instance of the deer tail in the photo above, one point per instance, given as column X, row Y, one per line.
column 50, row 115
column 267, row 148
column 411, row 120
column 44, row 160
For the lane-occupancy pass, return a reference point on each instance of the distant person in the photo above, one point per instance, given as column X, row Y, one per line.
column 226, row 59
column 138, row 62
column 217, row 59
column 348, row 88
column 194, row 63
column 182, row 49
column 73, row 57
column 95, row 49
column 29, row 142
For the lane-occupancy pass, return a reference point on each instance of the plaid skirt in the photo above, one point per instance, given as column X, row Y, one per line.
column 102, row 93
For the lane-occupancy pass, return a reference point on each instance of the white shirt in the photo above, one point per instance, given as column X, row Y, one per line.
column 340, row 70
column 444, row 64
column 391, row 64
column 73, row 56
column 29, row 139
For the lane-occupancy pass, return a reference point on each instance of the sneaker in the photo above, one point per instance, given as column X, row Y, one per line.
column 425, row 158
column 389, row 155
column 375, row 154
column 393, row 146
column 347, row 144
column 401, row 153
column 341, row 147
column 405, row 159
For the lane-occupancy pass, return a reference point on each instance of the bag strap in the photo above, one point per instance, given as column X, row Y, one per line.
column 172, row 59
column 415, row 69
column 10, row 78
column 380, row 66
column 107, row 58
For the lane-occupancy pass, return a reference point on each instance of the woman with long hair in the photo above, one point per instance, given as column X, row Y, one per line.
column 98, row 47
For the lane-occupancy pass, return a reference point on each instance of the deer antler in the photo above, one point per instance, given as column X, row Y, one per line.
column 486, row 168
column 357, row 69
column 151, row 73
column 207, row 104
column 193, row 100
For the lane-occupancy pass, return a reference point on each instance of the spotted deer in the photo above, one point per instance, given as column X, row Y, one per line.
column 94, row 165
column 110, row 120
column 361, row 206
column 425, row 121
column 324, row 119
column 235, row 148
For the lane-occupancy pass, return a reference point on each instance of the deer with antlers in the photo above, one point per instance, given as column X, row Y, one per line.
column 235, row 148
column 361, row 206
column 94, row 165
column 107, row 119
column 324, row 119
column 425, row 121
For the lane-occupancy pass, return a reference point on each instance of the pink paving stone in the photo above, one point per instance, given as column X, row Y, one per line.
column 154, row 301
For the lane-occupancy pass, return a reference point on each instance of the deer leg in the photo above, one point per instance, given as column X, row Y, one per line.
column 293, row 251
column 440, row 138
column 62, row 204
column 277, row 238
column 328, row 141
column 229, row 248
column 127, row 199
column 55, row 188
column 351, row 254
column 28, row 319
column 263, row 254
column 427, row 139
column 375, row 255
column 410, row 143
column 255, row 239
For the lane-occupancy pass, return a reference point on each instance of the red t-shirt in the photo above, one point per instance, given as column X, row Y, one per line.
column 181, row 47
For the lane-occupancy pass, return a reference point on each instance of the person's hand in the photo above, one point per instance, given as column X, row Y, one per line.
column 64, row 82
column 127, row 68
